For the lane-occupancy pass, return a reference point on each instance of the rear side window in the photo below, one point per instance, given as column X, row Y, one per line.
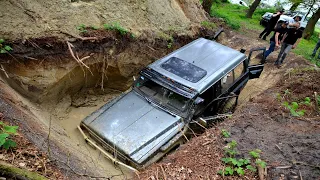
column 232, row 76
column 184, row 69
column 238, row 71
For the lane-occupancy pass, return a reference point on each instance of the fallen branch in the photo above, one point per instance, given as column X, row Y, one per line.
column 4, row 71
column 305, row 164
column 164, row 173
column 300, row 175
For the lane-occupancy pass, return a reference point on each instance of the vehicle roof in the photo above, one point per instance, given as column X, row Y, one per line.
column 216, row 59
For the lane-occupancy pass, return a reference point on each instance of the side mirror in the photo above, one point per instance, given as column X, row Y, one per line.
column 198, row 100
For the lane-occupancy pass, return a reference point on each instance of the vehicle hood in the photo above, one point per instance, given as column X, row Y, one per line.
column 134, row 126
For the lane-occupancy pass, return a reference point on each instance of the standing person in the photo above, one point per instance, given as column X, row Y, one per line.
column 271, row 24
column 290, row 41
column 276, row 38
column 295, row 22
column 316, row 48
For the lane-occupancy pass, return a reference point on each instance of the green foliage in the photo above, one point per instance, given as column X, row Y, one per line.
column 287, row 92
column 255, row 153
column 234, row 16
column 4, row 48
column 293, row 108
column 225, row 133
column 235, row 165
column 251, row 168
column 318, row 99
column 82, row 28
column 116, row 27
column 94, row 27
column 208, row 25
column 261, row 163
column 168, row 38
column 305, row 48
column 240, row 171
column 307, row 101
column 6, row 132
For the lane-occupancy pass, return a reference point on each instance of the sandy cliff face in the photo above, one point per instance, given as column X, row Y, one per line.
column 21, row 19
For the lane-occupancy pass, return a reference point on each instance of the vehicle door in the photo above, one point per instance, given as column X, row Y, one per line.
column 256, row 62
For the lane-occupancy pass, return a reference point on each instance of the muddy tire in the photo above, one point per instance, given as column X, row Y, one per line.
column 229, row 106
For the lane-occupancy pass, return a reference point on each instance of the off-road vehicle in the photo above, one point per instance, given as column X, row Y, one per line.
column 201, row 79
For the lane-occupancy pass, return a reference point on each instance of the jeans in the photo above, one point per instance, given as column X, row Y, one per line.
column 316, row 49
column 285, row 48
column 270, row 50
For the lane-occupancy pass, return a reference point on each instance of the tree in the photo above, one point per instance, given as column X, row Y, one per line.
column 311, row 24
column 295, row 4
column 207, row 4
column 252, row 8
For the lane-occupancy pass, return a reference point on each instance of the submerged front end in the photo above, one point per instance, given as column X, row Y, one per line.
column 132, row 129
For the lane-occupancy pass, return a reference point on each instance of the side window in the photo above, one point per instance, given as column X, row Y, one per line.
column 232, row 76
column 238, row 71
column 227, row 81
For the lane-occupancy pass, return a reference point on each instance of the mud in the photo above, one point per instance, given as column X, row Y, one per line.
column 284, row 140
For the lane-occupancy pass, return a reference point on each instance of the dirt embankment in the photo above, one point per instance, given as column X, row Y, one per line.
column 32, row 19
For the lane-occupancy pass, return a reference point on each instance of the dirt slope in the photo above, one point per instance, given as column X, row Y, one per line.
column 36, row 18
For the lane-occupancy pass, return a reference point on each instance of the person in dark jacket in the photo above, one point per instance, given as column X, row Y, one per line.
column 290, row 41
column 271, row 24
column 277, row 37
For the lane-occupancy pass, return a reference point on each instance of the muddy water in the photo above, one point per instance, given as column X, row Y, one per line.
column 72, row 119
column 69, row 117
column 70, row 124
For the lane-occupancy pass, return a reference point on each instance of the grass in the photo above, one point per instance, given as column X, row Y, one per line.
column 306, row 47
column 234, row 16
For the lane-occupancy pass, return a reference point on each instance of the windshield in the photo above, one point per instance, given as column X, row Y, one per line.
column 162, row 95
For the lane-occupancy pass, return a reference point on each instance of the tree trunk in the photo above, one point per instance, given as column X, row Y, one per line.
column 311, row 6
column 207, row 4
column 311, row 24
column 294, row 6
column 252, row 8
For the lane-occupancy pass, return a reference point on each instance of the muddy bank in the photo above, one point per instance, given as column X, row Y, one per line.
column 36, row 18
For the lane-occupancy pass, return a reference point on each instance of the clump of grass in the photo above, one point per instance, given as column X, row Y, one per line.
column 208, row 25
column 167, row 37
column 4, row 48
column 116, row 27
